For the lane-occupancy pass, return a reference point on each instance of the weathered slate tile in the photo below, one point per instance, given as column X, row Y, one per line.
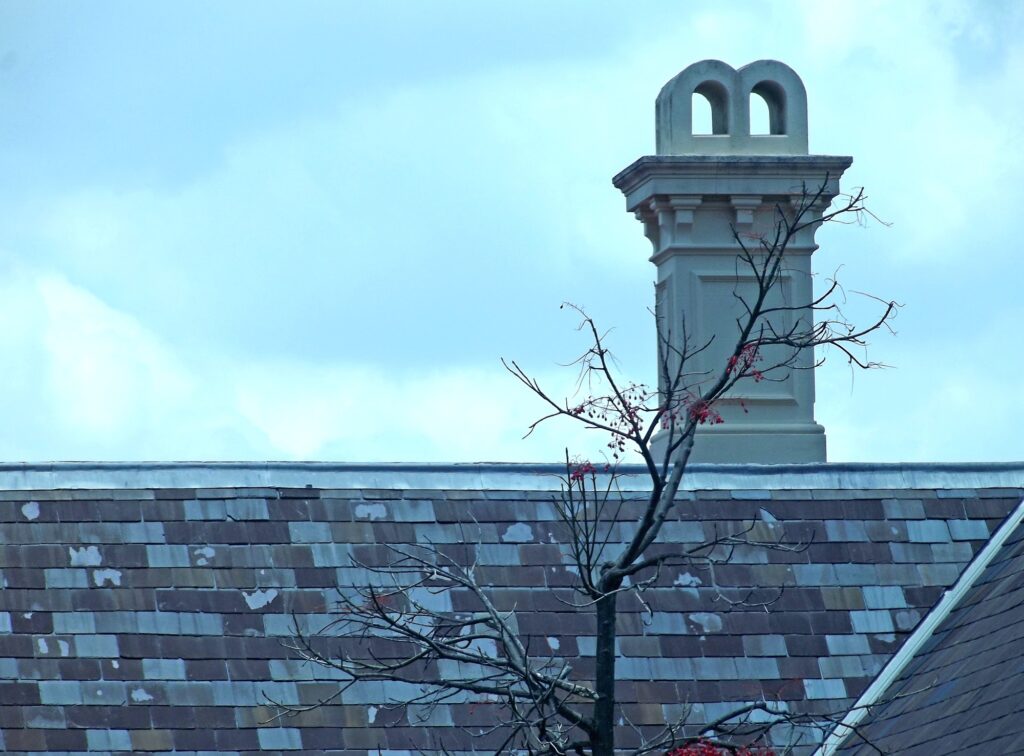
column 215, row 576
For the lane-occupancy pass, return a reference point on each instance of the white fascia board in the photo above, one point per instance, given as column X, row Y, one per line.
column 875, row 693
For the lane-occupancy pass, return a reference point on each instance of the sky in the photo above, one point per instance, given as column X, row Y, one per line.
column 310, row 231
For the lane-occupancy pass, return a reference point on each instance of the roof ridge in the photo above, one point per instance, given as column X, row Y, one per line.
column 500, row 476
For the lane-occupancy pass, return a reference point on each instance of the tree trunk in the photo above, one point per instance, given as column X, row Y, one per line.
column 604, row 662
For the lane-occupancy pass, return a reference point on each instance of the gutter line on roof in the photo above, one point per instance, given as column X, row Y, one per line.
column 873, row 695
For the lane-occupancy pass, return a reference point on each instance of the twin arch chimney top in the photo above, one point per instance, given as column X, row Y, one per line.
column 728, row 91
column 695, row 198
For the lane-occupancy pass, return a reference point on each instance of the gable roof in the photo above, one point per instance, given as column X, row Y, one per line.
column 163, row 588
column 958, row 683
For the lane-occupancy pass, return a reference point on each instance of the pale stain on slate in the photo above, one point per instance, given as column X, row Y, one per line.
column 86, row 556
column 260, row 599
column 520, row 532
column 840, row 616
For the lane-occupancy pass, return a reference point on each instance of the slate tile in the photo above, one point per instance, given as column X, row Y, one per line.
column 928, row 531
column 97, row 646
column 872, row 621
column 857, row 574
column 194, row 740
column 989, row 508
column 113, row 669
column 765, row 645
column 903, row 509
column 25, row 740
column 113, row 717
column 939, row 574
column 884, row 597
column 22, row 578
column 968, row 530
column 898, row 574
column 22, row 693
column 243, row 740
column 103, row 693
column 912, row 553
column 539, row 554
column 163, row 669
column 868, row 553
column 957, row 553
column 884, row 531
column 108, row 740
column 848, row 597
column 11, row 718
column 34, row 623
column 757, row 668
column 676, row 645
column 847, row 644
column 831, row 622
column 151, row 740
column 806, row 645
column 713, row 645
column 793, row 599
column 825, row 688
column 845, row 530
column 248, row 669
column 785, row 623
column 755, row 623
column 828, row 553
column 841, row 666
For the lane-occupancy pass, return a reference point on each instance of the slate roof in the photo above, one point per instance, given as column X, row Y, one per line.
column 149, row 617
column 962, row 690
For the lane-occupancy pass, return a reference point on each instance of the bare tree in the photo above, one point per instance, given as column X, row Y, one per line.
column 400, row 630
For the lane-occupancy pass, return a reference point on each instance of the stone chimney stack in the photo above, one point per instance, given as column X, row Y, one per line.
column 691, row 197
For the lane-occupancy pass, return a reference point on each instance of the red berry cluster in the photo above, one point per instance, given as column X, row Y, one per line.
column 707, row 748
column 743, row 363
column 702, row 413
column 581, row 470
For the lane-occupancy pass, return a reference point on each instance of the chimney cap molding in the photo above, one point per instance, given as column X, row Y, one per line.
column 728, row 92
column 754, row 175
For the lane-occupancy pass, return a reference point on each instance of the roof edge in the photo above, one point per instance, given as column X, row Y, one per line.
column 492, row 476
column 891, row 671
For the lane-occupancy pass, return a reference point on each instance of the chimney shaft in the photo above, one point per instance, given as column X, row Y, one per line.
column 692, row 197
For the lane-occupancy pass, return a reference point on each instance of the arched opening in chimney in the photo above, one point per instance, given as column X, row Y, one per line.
column 760, row 119
column 708, row 109
column 767, row 108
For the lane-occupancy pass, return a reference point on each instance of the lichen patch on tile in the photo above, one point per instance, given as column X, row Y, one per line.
column 371, row 511
column 520, row 532
column 139, row 695
column 259, row 598
column 687, row 580
column 101, row 577
column 87, row 556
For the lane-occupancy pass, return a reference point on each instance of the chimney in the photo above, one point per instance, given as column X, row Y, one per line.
column 691, row 197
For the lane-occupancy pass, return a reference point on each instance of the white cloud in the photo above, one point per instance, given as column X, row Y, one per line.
column 109, row 388
column 105, row 372
column 340, row 285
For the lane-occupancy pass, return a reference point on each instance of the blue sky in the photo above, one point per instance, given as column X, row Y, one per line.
column 310, row 230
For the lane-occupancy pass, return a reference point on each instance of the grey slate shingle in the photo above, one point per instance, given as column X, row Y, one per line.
column 184, row 639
